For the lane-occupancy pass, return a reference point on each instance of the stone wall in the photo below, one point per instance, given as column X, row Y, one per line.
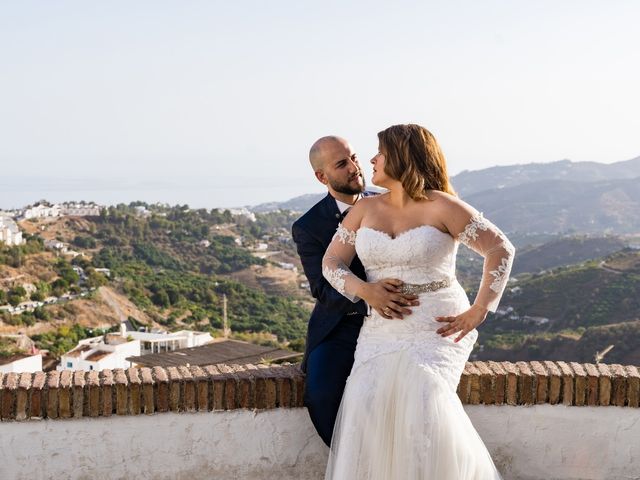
column 66, row 394
column 540, row 420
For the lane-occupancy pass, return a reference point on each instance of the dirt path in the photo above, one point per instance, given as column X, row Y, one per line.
column 110, row 299
column 609, row 269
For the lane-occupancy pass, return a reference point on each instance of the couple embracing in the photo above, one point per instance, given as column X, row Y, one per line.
column 392, row 328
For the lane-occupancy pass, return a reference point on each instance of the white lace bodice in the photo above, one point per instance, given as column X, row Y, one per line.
column 420, row 255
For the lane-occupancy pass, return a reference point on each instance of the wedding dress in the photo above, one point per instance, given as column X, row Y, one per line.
column 400, row 417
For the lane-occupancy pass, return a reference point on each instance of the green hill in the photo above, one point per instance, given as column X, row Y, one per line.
column 173, row 263
column 564, row 251
column 570, row 312
column 575, row 347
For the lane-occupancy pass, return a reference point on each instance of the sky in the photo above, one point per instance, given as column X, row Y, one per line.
column 216, row 103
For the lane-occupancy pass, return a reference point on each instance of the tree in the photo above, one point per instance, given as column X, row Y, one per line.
column 95, row 279
column 14, row 300
column 19, row 291
column 297, row 345
column 161, row 299
column 37, row 296
column 16, row 257
column 41, row 314
column 59, row 286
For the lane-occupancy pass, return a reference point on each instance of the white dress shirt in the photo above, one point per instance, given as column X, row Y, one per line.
column 344, row 206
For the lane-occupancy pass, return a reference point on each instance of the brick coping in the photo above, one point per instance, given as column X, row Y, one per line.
column 135, row 391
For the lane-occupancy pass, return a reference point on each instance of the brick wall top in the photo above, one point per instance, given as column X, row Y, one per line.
column 134, row 391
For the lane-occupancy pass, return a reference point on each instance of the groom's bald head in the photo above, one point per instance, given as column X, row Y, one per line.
column 336, row 165
column 324, row 149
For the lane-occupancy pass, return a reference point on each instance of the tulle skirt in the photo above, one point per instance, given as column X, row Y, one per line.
column 400, row 420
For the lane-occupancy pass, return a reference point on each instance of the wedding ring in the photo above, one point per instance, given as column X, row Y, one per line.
column 387, row 311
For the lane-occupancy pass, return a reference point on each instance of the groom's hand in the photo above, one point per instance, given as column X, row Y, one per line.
column 385, row 298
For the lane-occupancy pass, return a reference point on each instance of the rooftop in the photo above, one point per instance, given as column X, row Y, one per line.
column 76, row 352
column 222, row 351
column 97, row 355
column 5, row 359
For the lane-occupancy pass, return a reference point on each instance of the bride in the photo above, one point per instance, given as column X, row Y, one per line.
column 400, row 417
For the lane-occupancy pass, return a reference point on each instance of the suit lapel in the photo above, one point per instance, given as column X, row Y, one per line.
column 330, row 209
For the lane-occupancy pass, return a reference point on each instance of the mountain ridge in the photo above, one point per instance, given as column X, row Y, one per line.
column 557, row 197
column 470, row 182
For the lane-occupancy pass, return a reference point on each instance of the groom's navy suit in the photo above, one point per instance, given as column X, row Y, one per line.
column 335, row 321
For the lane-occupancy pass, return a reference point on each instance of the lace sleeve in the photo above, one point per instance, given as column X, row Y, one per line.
column 336, row 260
column 485, row 238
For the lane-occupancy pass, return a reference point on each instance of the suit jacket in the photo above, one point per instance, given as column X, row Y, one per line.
column 312, row 234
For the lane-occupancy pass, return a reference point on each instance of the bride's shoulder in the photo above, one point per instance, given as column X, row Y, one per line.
column 442, row 199
column 369, row 201
column 447, row 203
column 359, row 211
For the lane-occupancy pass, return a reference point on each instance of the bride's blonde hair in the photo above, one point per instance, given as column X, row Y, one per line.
column 413, row 157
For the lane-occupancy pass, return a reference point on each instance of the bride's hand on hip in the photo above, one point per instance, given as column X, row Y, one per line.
column 385, row 297
column 463, row 323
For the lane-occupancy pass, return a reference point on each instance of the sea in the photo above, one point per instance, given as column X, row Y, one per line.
column 209, row 192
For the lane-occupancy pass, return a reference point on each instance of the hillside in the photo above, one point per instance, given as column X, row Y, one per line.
column 575, row 347
column 593, row 293
column 542, row 198
column 545, row 253
column 566, row 311
column 166, row 267
column 296, row 204
column 564, row 251
column 470, row 182
column 611, row 206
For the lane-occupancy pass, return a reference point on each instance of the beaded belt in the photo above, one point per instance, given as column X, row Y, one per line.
column 415, row 288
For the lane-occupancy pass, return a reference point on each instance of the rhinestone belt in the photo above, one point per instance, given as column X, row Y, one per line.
column 415, row 288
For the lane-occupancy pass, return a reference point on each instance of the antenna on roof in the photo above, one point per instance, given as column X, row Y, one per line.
column 225, row 321
column 600, row 355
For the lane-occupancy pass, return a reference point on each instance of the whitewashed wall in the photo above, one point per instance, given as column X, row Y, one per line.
column 528, row 443
column 31, row 364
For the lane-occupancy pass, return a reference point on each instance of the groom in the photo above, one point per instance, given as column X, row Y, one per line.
column 335, row 321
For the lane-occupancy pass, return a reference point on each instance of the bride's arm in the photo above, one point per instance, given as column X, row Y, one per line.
column 382, row 295
column 483, row 237
column 470, row 227
column 340, row 254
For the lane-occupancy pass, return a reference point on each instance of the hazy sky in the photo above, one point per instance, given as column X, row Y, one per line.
column 232, row 93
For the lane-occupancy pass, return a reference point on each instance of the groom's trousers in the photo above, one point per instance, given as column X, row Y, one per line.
column 328, row 366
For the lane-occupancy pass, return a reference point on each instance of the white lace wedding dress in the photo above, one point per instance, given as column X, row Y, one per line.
column 400, row 417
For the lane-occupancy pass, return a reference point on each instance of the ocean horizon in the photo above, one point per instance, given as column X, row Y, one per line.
column 18, row 192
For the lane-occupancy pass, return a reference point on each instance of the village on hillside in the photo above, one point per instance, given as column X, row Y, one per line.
column 119, row 341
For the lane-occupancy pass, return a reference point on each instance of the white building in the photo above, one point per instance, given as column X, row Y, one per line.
column 98, row 353
column 80, row 209
column 42, row 211
column 104, row 271
column 243, row 212
column 156, row 342
column 141, row 211
column 55, row 244
column 21, row 363
column 10, row 234
column 288, row 266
